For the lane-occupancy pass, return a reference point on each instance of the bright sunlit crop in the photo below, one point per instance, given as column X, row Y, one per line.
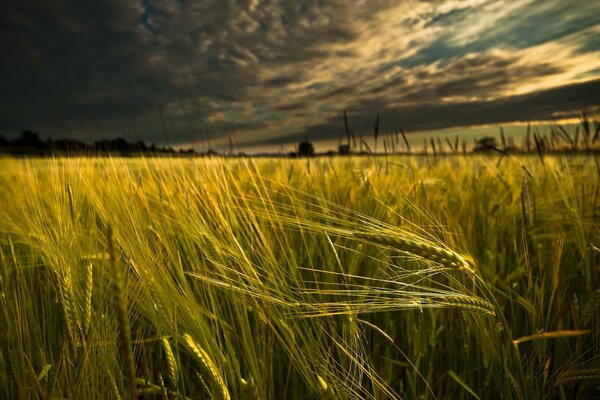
column 329, row 278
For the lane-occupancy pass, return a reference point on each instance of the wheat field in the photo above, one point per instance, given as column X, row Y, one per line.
column 327, row 278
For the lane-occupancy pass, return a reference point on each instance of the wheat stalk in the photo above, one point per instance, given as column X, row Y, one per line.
column 204, row 385
column 123, row 318
column 249, row 389
column 515, row 386
column 205, row 360
column 4, row 369
column 113, row 385
column 164, row 390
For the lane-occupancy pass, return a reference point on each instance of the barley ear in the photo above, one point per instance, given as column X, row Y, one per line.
column 327, row 391
column 89, row 283
column 419, row 248
column 579, row 375
column 171, row 361
column 204, row 359
column 65, row 298
column 467, row 303
column 591, row 308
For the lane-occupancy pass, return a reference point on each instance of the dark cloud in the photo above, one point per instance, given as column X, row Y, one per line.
column 79, row 62
column 476, row 76
column 279, row 81
column 542, row 105
column 481, row 75
column 265, row 68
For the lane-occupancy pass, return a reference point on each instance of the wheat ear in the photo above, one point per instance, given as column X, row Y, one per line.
column 419, row 248
column 326, row 390
column 205, row 360
column 89, row 283
column 591, row 308
column 65, row 298
column 579, row 375
column 467, row 303
column 171, row 362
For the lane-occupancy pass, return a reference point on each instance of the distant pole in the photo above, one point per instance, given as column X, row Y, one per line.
column 346, row 127
column 376, row 132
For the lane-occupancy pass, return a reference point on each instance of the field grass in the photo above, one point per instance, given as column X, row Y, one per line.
column 329, row 278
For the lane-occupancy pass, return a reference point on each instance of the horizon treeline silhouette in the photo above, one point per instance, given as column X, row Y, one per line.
column 556, row 139
column 29, row 143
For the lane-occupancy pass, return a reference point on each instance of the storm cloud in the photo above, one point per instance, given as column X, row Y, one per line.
column 269, row 71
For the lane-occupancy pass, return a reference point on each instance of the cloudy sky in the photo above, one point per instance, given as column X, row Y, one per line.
column 270, row 72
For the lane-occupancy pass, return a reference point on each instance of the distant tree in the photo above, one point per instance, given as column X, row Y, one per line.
column 486, row 143
column 120, row 145
column 305, row 149
column 3, row 141
column 29, row 142
column 29, row 137
column 67, row 145
column 344, row 149
column 141, row 146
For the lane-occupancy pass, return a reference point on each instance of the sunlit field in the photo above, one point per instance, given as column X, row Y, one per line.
column 327, row 278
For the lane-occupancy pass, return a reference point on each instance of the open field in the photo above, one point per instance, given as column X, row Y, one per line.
column 334, row 278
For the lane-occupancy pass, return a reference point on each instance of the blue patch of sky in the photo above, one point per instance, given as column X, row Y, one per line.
column 538, row 28
column 150, row 11
column 518, row 30
column 145, row 17
column 438, row 51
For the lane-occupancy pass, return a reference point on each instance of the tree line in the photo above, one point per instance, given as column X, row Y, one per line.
column 29, row 143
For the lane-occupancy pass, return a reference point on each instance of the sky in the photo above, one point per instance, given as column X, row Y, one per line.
column 267, row 73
